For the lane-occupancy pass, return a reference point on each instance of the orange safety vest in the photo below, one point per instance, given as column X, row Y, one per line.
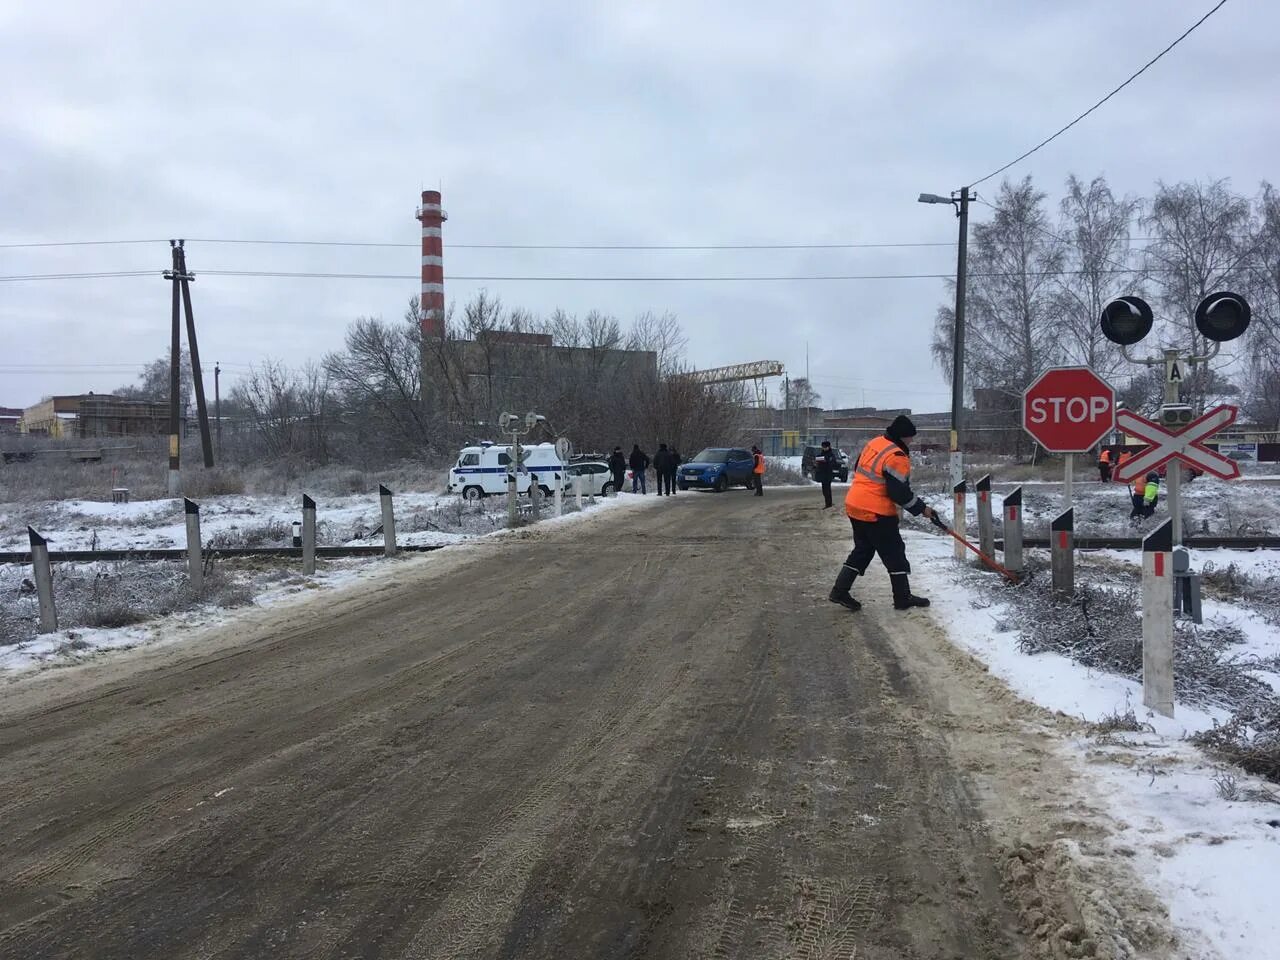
column 759, row 467
column 868, row 496
column 1140, row 485
column 1104, row 455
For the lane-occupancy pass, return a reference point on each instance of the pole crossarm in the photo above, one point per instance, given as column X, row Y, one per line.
column 756, row 370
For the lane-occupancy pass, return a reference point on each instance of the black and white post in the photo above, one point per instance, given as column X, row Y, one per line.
column 959, row 522
column 44, row 581
column 535, row 498
column 1013, row 531
column 195, row 561
column 986, row 524
column 388, row 522
column 308, row 535
column 1062, row 549
column 1157, row 619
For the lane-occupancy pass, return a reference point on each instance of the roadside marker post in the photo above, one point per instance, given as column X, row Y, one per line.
column 535, row 497
column 1013, row 530
column 959, row 521
column 1062, row 553
column 1157, row 619
column 986, row 526
column 577, row 490
column 388, row 522
column 44, row 581
column 559, row 492
column 308, row 535
column 195, row 562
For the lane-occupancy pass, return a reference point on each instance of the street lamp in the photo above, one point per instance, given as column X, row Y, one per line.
column 960, row 200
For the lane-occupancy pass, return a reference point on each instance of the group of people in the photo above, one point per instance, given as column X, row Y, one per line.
column 1146, row 489
column 666, row 463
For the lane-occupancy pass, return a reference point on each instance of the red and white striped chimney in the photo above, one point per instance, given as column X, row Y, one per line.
column 432, row 304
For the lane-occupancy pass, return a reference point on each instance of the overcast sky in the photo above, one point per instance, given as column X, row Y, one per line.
column 650, row 123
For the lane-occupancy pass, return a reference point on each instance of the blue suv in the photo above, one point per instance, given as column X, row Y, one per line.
column 717, row 468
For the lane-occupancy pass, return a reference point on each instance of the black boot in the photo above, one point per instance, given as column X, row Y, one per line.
column 902, row 596
column 840, row 592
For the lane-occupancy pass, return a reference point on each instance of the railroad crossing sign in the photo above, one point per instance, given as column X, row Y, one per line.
column 1184, row 444
column 1069, row 409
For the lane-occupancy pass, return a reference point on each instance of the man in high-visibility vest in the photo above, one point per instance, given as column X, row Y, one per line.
column 1104, row 464
column 1146, row 494
column 880, row 488
column 757, row 470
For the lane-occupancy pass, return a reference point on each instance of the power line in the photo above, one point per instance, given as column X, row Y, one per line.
column 503, row 246
column 1134, row 76
column 76, row 243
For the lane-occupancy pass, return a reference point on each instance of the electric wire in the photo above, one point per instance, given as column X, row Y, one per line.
column 1132, row 77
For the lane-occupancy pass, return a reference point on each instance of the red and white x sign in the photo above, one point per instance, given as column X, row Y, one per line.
column 1184, row 444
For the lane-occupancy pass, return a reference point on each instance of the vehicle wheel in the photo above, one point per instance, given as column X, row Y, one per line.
column 546, row 491
column 721, row 484
column 607, row 489
column 472, row 493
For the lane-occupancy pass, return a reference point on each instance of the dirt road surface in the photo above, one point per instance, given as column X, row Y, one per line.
column 646, row 734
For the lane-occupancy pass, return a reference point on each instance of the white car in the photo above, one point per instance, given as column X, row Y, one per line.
column 596, row 478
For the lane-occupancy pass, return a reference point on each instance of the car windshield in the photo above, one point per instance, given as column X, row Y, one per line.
column 712, row 456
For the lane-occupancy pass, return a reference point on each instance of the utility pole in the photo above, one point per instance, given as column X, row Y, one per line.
column 217, row 405
column 957, row 342
column 202, row 410
column 175, row 381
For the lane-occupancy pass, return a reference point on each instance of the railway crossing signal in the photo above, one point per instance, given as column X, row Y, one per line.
column 1184, row 444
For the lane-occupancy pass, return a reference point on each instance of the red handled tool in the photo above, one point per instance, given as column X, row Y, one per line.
column 1005, row 571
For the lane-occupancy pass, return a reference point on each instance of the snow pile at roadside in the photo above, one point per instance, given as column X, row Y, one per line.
column 1205, row 835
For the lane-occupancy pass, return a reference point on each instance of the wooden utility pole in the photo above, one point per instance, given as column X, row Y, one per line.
column 181, row 279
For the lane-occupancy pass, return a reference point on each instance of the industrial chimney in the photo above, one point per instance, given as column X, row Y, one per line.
column 431, row 308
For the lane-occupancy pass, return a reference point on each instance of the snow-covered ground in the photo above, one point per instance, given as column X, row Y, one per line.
column 71, row 525
column 1213, row 860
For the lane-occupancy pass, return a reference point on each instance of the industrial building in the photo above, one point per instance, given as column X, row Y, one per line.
column 80, row 416
column 472, row 380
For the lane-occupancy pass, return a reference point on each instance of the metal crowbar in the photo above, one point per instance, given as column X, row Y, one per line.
column 1005, row 571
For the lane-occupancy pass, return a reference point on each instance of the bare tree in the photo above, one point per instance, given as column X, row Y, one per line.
column 1200, row 245
column 662, row 335
column 1097, row 256
column 153, row 381
column 378, row 374
column 289, row 410
column 1014, row 304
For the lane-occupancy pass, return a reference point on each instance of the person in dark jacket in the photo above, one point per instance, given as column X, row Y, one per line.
column 824, row 468
column 639, row 464
column 618, row 467
column 662, row 466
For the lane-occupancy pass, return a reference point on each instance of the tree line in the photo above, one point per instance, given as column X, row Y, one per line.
column 1041, row 272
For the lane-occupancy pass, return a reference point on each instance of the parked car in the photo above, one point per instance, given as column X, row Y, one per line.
column 841, row 472
column 717, row 468
column 596, row 478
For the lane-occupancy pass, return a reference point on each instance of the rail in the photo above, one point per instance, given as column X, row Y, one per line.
column 88, row 556
column 1135, row 543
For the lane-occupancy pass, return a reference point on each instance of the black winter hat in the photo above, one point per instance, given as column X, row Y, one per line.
column 900, row 428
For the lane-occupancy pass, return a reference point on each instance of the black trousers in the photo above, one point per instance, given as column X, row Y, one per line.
column 826, row 488
column 1138, row 506
column 617, row 481
column 758, row 482
column 666, row 483
column 882, row 537
column 1104, row 472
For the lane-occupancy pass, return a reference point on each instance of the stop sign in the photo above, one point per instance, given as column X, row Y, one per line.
column 1069, row 409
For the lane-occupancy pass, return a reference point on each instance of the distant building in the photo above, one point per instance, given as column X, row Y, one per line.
column 85, row 416
column 9, row 417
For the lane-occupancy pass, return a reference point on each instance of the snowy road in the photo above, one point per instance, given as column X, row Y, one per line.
column 644, row 735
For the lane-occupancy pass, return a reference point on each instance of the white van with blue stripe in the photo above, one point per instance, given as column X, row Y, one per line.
column 482, row 471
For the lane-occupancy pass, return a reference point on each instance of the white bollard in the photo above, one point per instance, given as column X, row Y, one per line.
column 1062, row 553
column 1157, row 619
column 388, row 522
column 960, row 521
column 195, row 562
column 1013, row 531
column 559, row 492
column 44, row 581
column 308, row 535
column 577, row 490
column 535, row 498
column 986, row 524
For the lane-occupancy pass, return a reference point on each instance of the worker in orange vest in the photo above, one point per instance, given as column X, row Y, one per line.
column 881, row 487
column 1104, row 465
column 1122, row 460
column 757, row 469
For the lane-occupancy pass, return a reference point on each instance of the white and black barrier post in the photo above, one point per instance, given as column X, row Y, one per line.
column 1062, row 549
column 959, row 522
column 1013, row 531
column 559, row 492
column 195, row 562
column 986, row 526
column 535, row 498
column 388, row 522
column 44, row 581
column 1157, row 619
column 577, row 490
column 308, row 535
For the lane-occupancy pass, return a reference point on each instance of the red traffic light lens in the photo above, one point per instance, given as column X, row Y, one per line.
column 1127, row 320
column 1223, row 316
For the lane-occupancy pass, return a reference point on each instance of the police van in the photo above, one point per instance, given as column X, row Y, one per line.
column 481, row 471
